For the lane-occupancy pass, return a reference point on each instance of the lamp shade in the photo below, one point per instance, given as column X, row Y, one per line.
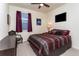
column 49, row 26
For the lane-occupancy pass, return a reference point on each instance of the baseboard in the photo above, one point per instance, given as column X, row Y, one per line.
column 75, row 47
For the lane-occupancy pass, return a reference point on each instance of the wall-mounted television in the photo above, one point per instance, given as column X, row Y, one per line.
column 60, row 17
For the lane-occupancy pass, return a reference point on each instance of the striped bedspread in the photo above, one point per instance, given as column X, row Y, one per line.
column 48, row 42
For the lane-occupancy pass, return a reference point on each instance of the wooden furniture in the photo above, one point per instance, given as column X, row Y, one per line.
column 8, row 46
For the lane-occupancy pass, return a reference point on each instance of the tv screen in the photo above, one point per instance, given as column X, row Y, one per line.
column 60, row 17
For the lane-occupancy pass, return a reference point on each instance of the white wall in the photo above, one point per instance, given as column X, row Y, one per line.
column 71, row 23
column 36, row 29
column 3, row 20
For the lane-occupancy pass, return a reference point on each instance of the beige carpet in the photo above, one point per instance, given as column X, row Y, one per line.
column 71, row 52
column 24, row 49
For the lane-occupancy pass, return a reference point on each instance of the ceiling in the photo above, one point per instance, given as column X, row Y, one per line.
column 35, row 7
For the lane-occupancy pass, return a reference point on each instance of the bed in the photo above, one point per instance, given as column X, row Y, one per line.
column 52, row 43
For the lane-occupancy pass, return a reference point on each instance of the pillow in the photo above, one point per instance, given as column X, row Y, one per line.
column 59, row 32
column 52, row 32
column 66, row 32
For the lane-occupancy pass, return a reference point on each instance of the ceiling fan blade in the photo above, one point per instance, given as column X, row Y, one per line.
column 39, row 7
column 46, row 5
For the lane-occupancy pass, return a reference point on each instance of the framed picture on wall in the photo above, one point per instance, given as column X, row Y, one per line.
column 38, row 21
column 8, row 19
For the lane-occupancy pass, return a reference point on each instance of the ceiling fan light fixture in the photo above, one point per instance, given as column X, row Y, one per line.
column 41, row 4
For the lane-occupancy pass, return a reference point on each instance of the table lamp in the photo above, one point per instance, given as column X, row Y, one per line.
column 49, row 26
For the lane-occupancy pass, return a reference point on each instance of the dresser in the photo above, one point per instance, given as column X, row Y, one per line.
column 8, row 46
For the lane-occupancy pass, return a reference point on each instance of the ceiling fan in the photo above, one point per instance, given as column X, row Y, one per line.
column 40, row 5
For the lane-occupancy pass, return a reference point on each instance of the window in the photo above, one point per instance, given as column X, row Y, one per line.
column 24, row 21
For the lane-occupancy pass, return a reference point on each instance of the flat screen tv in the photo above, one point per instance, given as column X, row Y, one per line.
column 60, row 17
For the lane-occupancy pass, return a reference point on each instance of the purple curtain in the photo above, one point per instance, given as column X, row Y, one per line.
column 29, row 23
column 18, row 21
